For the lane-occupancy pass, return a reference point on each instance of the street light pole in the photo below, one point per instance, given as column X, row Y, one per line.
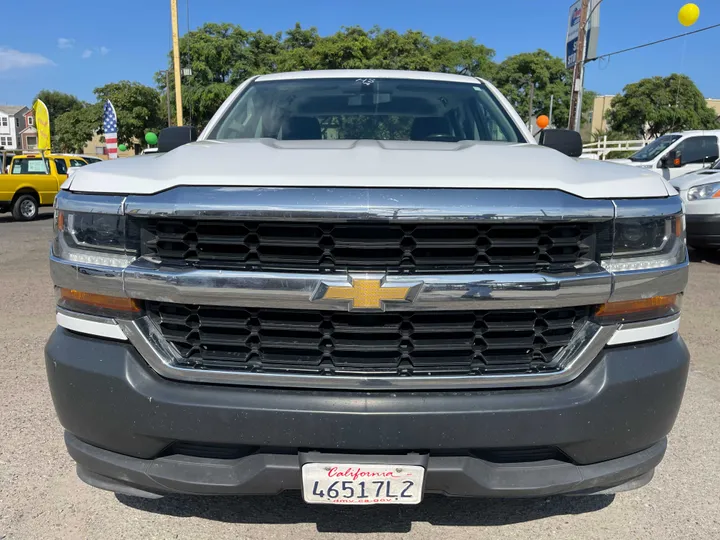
column 176, row 61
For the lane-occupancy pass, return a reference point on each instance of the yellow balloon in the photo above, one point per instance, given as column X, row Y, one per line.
column 688, row 14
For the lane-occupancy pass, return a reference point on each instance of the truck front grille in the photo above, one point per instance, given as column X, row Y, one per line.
column 344, row 343
column 390, row 247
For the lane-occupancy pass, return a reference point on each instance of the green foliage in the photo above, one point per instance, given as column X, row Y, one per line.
column 58, row 103
column 137, row 107
column 516, row 75
column 75, row 128
column 612, row 135
column 222, row 56
column 658, row 105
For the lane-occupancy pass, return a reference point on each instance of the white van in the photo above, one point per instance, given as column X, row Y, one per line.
column 676, row 154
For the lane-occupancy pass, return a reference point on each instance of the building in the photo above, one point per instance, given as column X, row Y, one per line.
column 28, row 135
column 715, row 104
column 602, row 105
column 96, row 147
column 600, row 108
column 12, row 122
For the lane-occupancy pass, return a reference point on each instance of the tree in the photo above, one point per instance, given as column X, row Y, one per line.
column 221, row 56
column 654, row 106
column 75, row 128
column 58, row 103
column 547, row 76
column 137, row 107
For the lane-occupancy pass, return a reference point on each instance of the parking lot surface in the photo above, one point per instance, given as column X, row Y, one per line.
column 41, row 497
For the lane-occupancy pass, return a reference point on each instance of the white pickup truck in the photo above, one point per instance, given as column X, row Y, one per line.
column 367, row 286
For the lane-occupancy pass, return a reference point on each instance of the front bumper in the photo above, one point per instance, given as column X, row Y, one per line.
column 121, row 417
column 703, row 230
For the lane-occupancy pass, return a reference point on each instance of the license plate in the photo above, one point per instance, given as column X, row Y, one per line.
column 330, row 483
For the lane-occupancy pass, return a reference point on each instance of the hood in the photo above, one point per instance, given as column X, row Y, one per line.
column 623, row 162
column 697, row 178
column 404, row 164
column 648, row 165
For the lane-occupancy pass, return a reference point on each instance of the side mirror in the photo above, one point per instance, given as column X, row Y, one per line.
column 173, row 137
column 563, row 140
column 671, row 160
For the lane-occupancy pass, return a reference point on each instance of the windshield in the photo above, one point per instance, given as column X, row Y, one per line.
column 655, row 148
column 379, row 109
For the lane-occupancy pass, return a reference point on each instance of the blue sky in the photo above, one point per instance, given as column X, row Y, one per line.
column 77, row 49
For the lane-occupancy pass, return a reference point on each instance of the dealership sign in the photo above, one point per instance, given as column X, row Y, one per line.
column 573, row 31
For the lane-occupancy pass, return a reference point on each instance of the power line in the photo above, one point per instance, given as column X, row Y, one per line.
column 608, row 55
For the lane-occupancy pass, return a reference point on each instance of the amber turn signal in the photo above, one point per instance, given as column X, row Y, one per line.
column 115, row 303
column 646, row 308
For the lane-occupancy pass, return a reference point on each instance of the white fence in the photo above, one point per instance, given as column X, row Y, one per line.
column 601, row 148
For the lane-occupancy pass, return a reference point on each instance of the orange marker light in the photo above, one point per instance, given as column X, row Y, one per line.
column 116, row 303
column 679, row 226
column 652, row 307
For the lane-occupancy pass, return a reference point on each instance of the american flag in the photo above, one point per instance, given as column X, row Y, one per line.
column 110, row 129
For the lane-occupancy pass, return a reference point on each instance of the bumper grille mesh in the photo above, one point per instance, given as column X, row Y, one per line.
column 343, row 343
column 391, row 247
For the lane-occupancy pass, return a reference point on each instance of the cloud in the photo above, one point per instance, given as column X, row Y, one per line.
column 104, row 50
column 12, row 59
column 65, row 43
column 87, row 53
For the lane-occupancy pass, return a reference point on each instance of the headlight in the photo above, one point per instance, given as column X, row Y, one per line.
column 706, row 191
column 646, row 243
column 91, row 238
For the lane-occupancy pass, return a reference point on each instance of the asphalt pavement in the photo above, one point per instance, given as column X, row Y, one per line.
column 41, row 497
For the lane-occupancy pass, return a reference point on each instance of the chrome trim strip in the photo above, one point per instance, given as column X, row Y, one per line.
column 99, row 204
column 161, row 356
column 146, row 281
column 89, row 324
column 648, row 208
column 348, row 204
column 638, row 284
column 645, row 330
column 107, row 280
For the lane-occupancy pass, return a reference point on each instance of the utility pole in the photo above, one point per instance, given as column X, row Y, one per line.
column 579, row 71
column 176, row 62
column 530, row 105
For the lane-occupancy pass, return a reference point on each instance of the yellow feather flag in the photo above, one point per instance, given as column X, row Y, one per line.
column 42, row 124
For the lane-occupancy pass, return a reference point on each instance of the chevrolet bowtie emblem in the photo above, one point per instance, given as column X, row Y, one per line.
column 368, row 293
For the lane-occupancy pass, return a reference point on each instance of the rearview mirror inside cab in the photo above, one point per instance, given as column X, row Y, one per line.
column 563, row 140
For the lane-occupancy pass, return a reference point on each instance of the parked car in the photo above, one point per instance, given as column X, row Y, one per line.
column 676, row 154
column 32, row 182
column 701, row 193
column 88, row 159
column 397, row 292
